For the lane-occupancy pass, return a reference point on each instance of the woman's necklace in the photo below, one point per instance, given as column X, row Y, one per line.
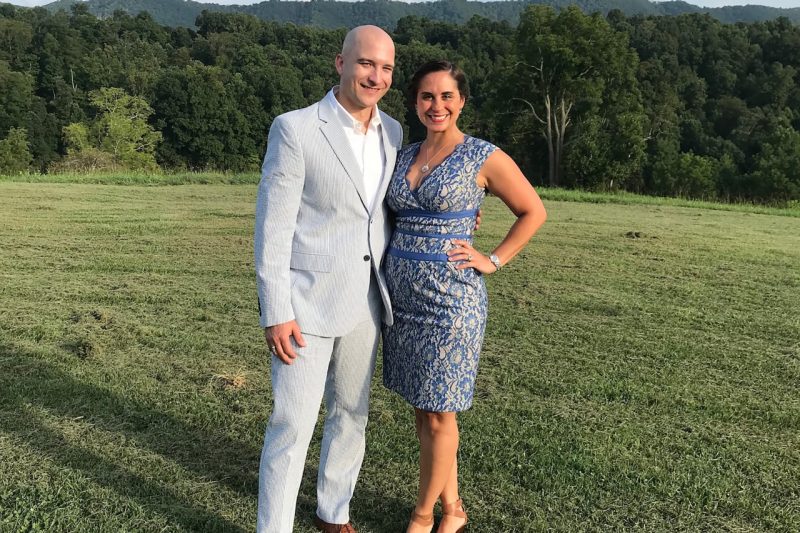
column 426, row 167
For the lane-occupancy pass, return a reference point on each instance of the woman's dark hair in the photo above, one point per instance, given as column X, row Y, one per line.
column 437, row 66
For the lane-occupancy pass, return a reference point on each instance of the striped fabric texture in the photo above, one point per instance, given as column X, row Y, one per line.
column 316, row 242
column 318, row 252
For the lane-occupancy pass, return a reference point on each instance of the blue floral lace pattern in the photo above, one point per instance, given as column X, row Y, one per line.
column 430, row 354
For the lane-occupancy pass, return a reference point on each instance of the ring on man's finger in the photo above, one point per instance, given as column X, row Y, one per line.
column 273, row 349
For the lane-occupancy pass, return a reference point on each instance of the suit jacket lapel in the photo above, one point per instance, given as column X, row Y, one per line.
column 390, row 151
column 332, row 131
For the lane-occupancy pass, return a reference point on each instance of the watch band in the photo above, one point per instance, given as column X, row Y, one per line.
column 496, row 262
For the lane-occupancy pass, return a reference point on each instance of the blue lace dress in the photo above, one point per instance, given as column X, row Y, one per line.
column 430, row 353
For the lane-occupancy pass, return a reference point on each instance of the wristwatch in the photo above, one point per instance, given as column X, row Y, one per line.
column 496, row 262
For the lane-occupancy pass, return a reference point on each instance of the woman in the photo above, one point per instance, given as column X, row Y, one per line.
column 430, row 354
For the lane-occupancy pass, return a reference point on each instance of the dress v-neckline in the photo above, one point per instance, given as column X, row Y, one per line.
column 424, row 179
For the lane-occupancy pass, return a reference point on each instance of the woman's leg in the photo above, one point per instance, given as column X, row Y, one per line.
column 438, row 438
column 450, row 492
column 453, row 515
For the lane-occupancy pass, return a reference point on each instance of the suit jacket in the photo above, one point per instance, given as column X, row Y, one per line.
column 315, row 240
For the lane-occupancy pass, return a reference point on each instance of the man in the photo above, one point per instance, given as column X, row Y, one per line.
column 320, row 235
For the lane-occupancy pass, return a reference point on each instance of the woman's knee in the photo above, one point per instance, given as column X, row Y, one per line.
column 437, row 424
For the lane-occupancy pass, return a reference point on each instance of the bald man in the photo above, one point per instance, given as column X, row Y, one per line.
column 321, row 231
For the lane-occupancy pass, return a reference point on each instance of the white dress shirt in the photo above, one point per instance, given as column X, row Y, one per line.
column 367, row 146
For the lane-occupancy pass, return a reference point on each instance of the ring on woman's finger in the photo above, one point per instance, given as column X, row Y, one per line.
column 469, row 257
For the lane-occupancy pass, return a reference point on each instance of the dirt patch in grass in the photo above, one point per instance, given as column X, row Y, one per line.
column 235, row 381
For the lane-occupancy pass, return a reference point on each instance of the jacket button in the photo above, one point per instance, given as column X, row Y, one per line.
column 366, row 258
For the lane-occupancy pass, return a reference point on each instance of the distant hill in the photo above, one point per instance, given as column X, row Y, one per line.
column 732, row 14
column 386, row 13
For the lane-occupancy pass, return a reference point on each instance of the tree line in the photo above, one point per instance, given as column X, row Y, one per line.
column 386, row 13
column 684, row 105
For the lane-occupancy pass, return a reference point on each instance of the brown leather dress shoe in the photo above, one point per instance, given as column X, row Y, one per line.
column 325, row 527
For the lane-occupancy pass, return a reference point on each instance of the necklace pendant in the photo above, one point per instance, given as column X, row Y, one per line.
column 425, row 168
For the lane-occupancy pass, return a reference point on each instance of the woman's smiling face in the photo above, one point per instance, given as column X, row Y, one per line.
column 439, row 102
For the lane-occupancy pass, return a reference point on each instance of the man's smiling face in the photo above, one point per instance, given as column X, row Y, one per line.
column 365, row 69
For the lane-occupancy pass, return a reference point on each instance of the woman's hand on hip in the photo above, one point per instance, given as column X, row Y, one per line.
column 469, row 257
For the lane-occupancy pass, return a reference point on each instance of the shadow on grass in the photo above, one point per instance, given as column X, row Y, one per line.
column 393, row 514
column 370, row 511
column 28, row 381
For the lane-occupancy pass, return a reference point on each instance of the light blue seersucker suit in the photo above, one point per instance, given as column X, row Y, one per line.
column 318, row 250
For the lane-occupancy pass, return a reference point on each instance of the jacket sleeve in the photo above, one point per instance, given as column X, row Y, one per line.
column 279, row 194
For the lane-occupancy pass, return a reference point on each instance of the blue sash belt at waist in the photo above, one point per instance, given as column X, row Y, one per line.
column 405, row 213
column 446, row 215
column 416, row 256
column 433, row 235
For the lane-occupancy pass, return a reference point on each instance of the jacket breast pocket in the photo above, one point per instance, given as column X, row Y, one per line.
column 312, row 262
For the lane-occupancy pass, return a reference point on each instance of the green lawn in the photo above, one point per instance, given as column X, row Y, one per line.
column 641, row 370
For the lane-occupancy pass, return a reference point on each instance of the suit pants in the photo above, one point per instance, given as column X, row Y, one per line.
column 338, row 369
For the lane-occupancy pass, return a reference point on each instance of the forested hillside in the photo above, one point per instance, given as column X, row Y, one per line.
column 679, row 105
column 386, row 13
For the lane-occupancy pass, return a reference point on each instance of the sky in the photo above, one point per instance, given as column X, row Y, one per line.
column 704, row 3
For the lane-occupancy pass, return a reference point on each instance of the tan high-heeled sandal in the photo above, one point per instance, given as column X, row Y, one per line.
column 423, row 520
column 455, row 509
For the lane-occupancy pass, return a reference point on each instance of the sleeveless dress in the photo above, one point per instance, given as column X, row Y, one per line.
column 430, row 353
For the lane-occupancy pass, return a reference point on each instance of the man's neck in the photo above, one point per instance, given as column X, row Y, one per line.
column 363, row 115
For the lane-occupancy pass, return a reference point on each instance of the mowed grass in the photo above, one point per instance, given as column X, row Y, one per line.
column 641, row 371
column 790, row 208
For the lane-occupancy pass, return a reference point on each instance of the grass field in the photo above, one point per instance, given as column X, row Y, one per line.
column 641, row 370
